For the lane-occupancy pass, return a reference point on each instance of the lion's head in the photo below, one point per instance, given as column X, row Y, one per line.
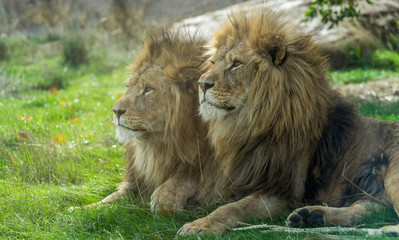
column 262, row 69
column 264, row 91
column 162, row 87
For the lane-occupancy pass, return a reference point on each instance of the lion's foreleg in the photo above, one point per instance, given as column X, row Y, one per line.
column 229, row 215
column 173, row 194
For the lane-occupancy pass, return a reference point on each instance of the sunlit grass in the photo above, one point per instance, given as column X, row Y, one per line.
column 54, row 131
column 361, row 75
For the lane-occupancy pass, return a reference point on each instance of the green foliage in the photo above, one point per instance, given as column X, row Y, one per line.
column 357, row 57
column 54, row 78
column 333, row 11
column 3, row 51
column 75, row 52
column 52, row 36
column 379, row 59
column 385, row 59
column 393, row 41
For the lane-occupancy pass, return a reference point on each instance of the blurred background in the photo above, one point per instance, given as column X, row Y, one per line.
column 63, row 65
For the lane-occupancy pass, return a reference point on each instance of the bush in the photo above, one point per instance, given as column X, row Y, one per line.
column 3, row 51
column 75, row 52
column 385, row 59
column 54, row 78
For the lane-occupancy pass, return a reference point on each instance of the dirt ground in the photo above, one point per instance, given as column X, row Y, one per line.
column 376, row 91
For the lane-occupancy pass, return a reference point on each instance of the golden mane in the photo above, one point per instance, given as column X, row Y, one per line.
column 173, row 49
column 287, row 105
column 179, row 149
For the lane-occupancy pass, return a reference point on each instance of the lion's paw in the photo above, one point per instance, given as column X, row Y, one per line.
column 202, row 226
column 189, row 229
column 392, row 231
column 306, row 217
column 165, row 201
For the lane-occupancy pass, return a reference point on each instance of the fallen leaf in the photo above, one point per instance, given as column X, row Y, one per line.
column 76, row 120
column 23, row 135
column 53, row 89
column 59, row 139
column 166, row 212
column 62, row 102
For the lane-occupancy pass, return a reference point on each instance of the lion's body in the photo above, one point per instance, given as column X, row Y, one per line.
column 158, row 121
column 359, row 162
column 281, row 134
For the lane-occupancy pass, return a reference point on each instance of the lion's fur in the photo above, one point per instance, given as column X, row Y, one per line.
column 179, row 147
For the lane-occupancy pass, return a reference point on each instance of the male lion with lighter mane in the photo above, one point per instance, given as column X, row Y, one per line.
column 157, row 119
column 282, row 136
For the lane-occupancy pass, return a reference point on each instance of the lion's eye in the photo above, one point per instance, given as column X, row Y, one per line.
column 212, row 62
column 235, row 64
column 147, row 90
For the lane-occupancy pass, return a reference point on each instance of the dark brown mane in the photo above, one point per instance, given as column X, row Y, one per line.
column 334, row 139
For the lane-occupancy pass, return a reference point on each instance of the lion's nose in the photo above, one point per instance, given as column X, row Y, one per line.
column 118, row 112
column 205, row 86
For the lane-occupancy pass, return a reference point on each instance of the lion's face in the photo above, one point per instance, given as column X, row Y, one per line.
column 224, row 88
column 141, row 110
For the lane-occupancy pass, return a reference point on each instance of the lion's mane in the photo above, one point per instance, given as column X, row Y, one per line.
column 182, row 145
column 287, row 109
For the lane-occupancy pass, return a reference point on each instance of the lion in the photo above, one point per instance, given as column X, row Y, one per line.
column 283, row 137
column 157, row 120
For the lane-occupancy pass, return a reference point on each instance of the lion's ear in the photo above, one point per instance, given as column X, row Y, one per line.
column 276, row 49
column 272, row 46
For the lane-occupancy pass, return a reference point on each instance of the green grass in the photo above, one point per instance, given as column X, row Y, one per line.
column 360, row 75
column 382, row 64
column 57, row 148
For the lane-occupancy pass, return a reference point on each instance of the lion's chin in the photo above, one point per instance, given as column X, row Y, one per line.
column 211, row 112
column 124, row 135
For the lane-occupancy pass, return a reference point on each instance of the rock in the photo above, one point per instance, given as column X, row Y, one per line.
column 382, row 91
column 372, row 29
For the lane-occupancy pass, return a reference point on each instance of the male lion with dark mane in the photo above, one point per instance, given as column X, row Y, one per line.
column 282, row 135
column 157, row 119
